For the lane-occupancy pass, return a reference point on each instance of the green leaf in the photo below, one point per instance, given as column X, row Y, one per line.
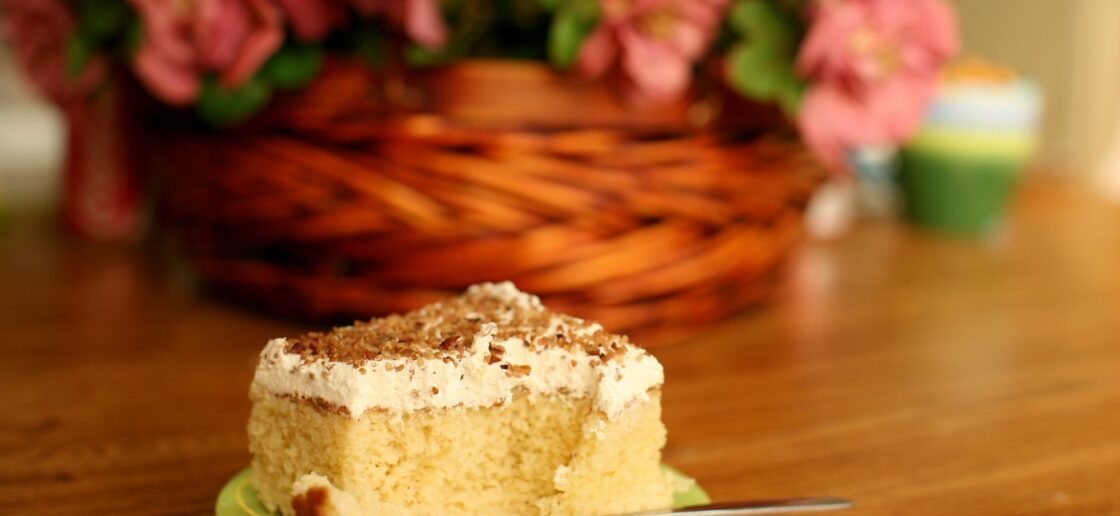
column 549, row 5
column 587, row 10
column 371, row 43
column 134, row 35
column 416, row 55
column 225, row 107
column 760, row 19
column 79, row 51
column 293, row 66
column 102, row 19
column 748, row 66
column 762, row 64
column 790, row 98
column 570, row 27
column 565, row 39
column 762, row 74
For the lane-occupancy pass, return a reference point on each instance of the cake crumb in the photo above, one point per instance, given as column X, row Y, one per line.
column 311, row 503
column 449, row 342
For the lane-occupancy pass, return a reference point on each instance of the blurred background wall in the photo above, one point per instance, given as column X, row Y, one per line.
column 31, row 141
column 1071, row 46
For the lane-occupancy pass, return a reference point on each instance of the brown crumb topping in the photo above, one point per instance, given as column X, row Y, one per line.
column 445, row 331
column 319, row 404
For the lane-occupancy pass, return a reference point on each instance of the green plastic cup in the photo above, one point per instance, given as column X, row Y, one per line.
column 960, row 181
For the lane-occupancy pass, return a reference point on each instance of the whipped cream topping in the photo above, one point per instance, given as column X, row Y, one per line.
column 476, row 377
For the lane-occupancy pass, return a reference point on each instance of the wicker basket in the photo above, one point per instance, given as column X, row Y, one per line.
column 360, row 196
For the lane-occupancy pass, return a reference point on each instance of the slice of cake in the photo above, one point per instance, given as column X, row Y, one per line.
column 483, row 404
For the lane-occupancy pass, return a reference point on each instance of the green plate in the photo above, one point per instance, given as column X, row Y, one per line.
column 238, row 498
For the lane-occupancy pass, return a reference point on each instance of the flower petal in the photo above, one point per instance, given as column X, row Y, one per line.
column 657, row 70
column 175, row 85
column 423, row 22
column 312, row 20
column 265, row 38
column 873, row 67
column 220, row 28
column 597, row 53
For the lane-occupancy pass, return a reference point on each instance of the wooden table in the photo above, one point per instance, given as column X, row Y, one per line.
column 913, row 373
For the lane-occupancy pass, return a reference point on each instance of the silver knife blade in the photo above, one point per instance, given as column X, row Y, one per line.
column 750, row 507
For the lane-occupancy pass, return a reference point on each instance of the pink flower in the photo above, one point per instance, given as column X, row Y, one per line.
column 420, row 19
column 872, row 67
column 312, row 20
column 184, row 39
column 653, row 42
column 39, row 31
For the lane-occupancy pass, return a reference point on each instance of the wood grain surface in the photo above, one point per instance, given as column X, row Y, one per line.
column 915, row 373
